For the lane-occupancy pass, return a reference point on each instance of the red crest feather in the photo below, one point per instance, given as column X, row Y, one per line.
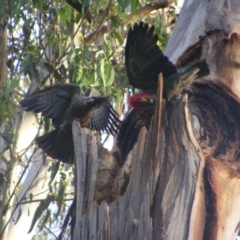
column 139, row 100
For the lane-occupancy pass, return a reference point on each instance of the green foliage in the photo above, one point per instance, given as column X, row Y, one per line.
column 44, row 204
column 7, row 105
column 45, row 219
column 65, row 15
column 53, row 170
column 49, row 42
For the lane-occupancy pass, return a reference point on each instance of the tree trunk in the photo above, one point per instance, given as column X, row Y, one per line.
column 181, row 179
column 4, row 173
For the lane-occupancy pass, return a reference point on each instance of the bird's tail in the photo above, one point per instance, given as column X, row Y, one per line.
column 203, row 68
column 58, row 144
column 186, row 75
column 198, row 69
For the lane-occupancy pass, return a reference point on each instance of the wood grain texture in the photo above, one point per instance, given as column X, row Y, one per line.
column 160, row 192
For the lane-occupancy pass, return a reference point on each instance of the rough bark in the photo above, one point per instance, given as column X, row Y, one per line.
column 181, row 179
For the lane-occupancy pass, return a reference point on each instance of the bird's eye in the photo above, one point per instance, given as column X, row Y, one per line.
column 89, row 101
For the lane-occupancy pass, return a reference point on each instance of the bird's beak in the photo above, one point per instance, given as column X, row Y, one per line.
column 146, row 100
column 89, row 101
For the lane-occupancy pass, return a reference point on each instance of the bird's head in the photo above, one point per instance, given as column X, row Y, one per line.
column 141, row 100
column 95, row 102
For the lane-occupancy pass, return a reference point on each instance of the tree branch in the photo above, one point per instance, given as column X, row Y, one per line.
column 92, row 37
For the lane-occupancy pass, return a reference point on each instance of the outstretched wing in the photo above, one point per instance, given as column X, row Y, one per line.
column 143, row 58
column 52, row 102
column 104, row 118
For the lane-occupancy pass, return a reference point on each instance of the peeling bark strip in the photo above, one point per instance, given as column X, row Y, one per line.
column 119, row 219
column 223, row 205
column 198, row 212
column 177, row 180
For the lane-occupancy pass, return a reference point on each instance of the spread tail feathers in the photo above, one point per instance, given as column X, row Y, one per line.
column 203, row 68
column 185, row 76
column 58, row 144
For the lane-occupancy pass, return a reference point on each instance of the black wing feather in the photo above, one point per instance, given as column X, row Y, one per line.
column 143, row 58
column 104, row 118
column 52, row 102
